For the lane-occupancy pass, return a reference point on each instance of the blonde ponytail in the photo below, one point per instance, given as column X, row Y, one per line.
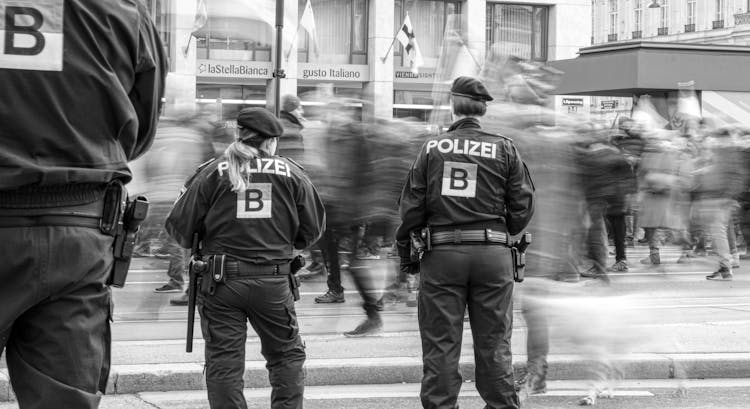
column 238, row 155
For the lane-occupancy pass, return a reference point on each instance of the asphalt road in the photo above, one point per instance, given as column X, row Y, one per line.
column 675, row 295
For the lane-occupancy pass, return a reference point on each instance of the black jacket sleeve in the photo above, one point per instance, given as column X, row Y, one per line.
column 188, row 212
column 311, row 212
column 413, row 201
column 148, row 87
column 519, row 194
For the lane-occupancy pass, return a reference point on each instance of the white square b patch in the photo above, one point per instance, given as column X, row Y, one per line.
column 255, row 201
column 31, row 35
column 459, row 179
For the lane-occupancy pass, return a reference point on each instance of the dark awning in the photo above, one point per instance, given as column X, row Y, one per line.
column 639, row 67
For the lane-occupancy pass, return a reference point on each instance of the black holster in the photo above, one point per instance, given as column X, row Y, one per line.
column 122, row 218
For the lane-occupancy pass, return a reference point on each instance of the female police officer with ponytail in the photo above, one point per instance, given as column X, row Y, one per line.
column 251, row 209
column 471, row 190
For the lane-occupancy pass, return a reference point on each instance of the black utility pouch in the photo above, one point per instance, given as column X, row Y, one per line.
column 294, row 285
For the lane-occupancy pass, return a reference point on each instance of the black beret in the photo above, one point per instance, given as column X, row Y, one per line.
column 260, row 120
column 471, row 88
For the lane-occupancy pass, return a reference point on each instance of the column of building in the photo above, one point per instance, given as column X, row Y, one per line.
column 180, row 95
column 378, row 92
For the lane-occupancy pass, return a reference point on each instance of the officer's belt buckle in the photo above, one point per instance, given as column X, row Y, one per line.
column 456, row 236
column 491, row 236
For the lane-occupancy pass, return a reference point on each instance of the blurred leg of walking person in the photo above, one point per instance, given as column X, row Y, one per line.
column 651, row 236
column 597, row 241
column 330, row 248
column 716, row 214
column 617, row 221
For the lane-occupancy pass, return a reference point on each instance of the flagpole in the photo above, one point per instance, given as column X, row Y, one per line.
column 294, row 38
column 468, row 50
column 278, row 73
column 389, row 48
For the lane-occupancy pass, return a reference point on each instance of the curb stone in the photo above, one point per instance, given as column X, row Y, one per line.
column 133, row 379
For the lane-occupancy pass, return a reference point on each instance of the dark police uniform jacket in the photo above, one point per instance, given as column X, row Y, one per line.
column 280, row 209
column 82, row 83
column 467, row 176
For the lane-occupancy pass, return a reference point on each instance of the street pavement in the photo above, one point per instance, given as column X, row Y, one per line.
column 679, row 319
column 643, row 394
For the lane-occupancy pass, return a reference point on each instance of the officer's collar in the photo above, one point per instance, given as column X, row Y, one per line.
column 465, row 123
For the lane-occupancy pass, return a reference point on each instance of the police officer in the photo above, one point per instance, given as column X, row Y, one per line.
column 251, row 209
column 82, row 84
column 471, row 189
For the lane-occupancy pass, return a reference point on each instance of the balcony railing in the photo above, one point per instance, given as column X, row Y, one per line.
column 611, row 37
column 637, row 34
column 718, row 24
column 689, row 28
column 663, row 31
column 742, row 18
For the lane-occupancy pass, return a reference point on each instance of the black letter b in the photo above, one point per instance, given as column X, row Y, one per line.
column 11, row 29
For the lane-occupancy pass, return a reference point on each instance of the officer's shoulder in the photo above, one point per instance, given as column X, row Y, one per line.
column 293, row 162
column 204, row 165
column 497, row 135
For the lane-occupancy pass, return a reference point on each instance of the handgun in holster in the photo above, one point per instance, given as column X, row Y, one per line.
column 518, row 251
column 196, row 269
column 421, row 242
column 296, row 265
column 122, row 219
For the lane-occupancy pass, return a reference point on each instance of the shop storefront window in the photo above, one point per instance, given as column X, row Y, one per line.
column 516, row 29
column 428, row 19
column 341, row 27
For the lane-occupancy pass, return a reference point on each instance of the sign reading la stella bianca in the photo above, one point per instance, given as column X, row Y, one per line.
column 234, row 69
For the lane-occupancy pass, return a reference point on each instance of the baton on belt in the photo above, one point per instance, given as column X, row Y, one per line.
column 196, row 268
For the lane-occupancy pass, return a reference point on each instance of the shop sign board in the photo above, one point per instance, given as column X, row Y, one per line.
column 404, row 75
column 573, row 102
column 333, row 72
column 609, row 104
column 234, row 69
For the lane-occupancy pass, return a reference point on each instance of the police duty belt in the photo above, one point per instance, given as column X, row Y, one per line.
column 458, row 236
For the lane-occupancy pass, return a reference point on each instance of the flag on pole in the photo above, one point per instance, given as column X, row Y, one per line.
column 201, row 16
column 307, row 21
column 406, row 37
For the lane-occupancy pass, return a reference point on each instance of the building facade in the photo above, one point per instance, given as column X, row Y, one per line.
column 223, row 52
column 689, row 21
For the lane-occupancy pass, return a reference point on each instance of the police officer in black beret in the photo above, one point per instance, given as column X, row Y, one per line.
column 466, row 193
column 251, row 209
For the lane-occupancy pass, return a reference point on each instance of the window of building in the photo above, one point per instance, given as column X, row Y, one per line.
column 637, row 15
column 234, row 31
column 341, row 27
column 159, row 10
column 517, row 29
column 429, row 19
column 691, row 8
column 664, row 10
column 613, row 17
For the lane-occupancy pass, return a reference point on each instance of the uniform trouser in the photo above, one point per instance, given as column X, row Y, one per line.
column 454, row 277
column 358, row 268
column 55, row 314
column 269, row 306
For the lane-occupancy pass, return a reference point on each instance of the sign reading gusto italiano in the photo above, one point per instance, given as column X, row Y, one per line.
column 333, row 72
